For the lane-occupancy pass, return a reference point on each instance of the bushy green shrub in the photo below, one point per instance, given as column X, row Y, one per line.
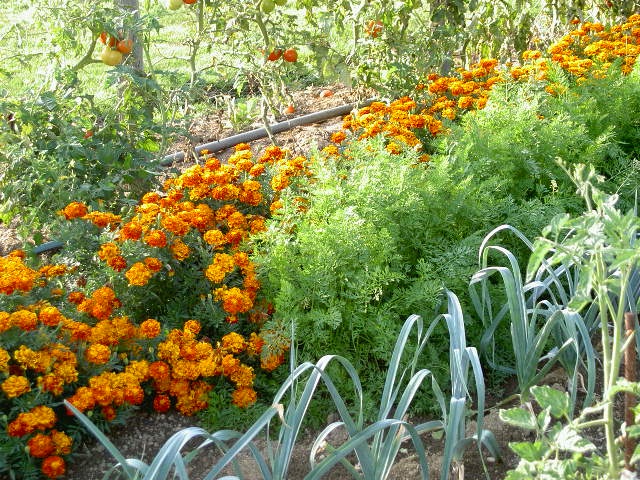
column 378, row 238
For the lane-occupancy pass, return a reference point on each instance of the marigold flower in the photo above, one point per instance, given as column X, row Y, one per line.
column 138, row 275
column 243, row 376
column 76, row 297
column 159, row 370
column 15, row 385
column 98, row 354
column 41, row 446
column 62, row 442
column 50, row 316
column 131, row 230
column 156, row 238
column 5, row 322
column 51, row 383
column 180, row 250
column 54, row 466
column 108, row 250
column 102, row 219
column 221, row 266
column 233, row 342
column 161, row 403
column 215, row 238
column 150, row 328
column 153, row 264
column 4, row 360
column 25, row 320
column 244, row 396
column 74, row 210
column 192, row 326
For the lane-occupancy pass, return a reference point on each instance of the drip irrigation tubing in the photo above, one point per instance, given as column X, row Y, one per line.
column 263, row 132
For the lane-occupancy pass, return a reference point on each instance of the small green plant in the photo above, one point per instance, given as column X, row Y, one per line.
column 603, row 242
column 559, row 450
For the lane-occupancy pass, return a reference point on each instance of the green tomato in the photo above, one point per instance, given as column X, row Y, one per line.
column 173, row 4
column 280, row 3
column 268, row 6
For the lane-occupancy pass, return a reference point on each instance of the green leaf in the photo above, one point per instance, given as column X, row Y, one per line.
column 555, row 400
column 519, row 417
column 529, row 451
column 568, row 439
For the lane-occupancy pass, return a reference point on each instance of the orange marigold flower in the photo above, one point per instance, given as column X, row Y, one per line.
column 271, row 362
column 215, row 238
column 76, row 297
column 4, row 360
column 131, row 231
column 15, row 275
column 40, row 446
column 51, row 383
column 15, row 385
column 159, row 370
column 156, row 238
column 233, row 342
column 192, row 326
column 244, row 396
column 54, row 466
column 98, row 354
column 257, row 170
column 83, row 399
column 221, row 266
column 108, row 412
column 243, row 376
column 5, row 322
column 234, row 300
column 138, row 275
column 161, row 403
column 175, row 225
column 103, row 219
column 118, row 263
column 108, row 251
column 150, row 328
column 74, row 210
column 50, row 316
column 153, row 264
column 62, row 442
column 338, row 137
column 25, row 320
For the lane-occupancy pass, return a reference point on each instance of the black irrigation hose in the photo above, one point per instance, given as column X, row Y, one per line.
column 258, row 133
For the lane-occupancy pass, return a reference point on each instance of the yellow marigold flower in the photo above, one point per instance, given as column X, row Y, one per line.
column 271, row 362
column 233, row 342
column 138, row 275
column 393, row 148
column 98, row 354
column 244, row 396
column 16, row 385
column 221, row 266
column 180, row 250
column 243, row 376
column 62, row 442
column 131, row 230
column 153, row 264
column 234, row 300
column 257, row 224
column 185, row 369
column 214, row 238
column 192, row 326
column 168, row 351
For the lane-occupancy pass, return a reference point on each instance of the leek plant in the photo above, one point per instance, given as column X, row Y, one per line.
column 544, row 330
column 375, row 445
